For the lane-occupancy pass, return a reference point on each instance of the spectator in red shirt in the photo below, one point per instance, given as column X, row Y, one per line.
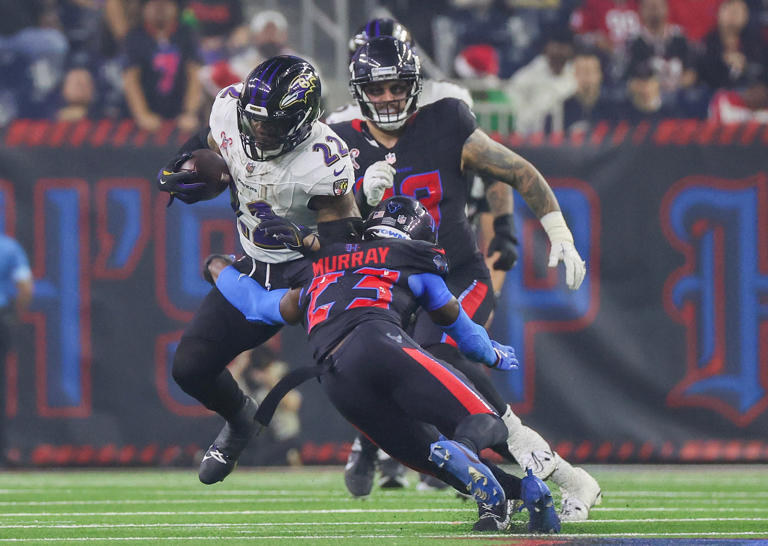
column 697, row 18
column 607, row 24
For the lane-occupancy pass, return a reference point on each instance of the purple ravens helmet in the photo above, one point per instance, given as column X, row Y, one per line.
column 278, row 106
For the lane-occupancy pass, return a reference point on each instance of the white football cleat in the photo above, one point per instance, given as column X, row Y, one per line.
column 530, row 450
column 580, row 493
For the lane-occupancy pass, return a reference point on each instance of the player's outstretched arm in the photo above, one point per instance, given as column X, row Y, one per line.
column 471, row 338
column 255, row 302
column 490, row 158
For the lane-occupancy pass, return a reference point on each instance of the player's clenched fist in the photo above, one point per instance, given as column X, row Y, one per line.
column 377, row 179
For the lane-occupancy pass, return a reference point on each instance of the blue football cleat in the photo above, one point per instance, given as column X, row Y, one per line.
column 541, row 508
column 464, row 465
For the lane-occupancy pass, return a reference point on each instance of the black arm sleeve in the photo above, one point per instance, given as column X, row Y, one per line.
column 196, row 141
column 344, row 230
column 362, row 203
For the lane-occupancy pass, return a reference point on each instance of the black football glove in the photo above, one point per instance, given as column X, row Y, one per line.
column 185, row 185
column 286, row 232
column 504, row 241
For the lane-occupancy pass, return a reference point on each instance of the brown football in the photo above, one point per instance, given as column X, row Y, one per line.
column 211, row 167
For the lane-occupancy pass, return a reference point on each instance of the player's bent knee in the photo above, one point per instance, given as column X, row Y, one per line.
column 481, row 430
column 191, row 370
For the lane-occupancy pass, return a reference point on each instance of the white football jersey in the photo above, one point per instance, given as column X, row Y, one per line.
column 431, row 91
column 318, row 166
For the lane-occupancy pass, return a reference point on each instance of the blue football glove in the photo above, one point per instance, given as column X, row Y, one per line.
column 506, row 359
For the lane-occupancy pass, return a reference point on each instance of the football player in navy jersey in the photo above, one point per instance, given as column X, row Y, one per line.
column 500, row 246
column 354, row 310
column 425, row 153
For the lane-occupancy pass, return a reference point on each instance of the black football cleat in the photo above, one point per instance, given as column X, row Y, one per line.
column 221, row 458
column 361, row 467
column 432, row 483
column 392, row 473
column 492, row 518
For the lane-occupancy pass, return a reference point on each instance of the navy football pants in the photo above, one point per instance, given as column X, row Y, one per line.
column 402, row 398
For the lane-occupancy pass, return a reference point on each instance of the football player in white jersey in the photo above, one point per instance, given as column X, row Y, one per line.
column 282, row 161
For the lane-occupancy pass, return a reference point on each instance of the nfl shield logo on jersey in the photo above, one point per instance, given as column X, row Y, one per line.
column 440, row 263
column 390, row 158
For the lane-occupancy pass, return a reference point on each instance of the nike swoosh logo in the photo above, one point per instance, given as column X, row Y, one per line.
column 340, row 171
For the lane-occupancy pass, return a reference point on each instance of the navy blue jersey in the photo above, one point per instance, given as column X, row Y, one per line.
column 427, row 158
column 356, row 282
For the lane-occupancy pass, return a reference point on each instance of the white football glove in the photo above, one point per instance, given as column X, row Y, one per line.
column 378, row 178
column 563, row 250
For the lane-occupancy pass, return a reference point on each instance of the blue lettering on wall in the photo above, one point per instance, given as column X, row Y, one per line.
column 720, row 293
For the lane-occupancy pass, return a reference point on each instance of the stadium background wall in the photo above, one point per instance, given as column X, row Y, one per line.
column 661, row 356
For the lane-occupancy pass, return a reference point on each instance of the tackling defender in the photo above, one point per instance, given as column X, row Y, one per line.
column 281, row 161
column 381, row 380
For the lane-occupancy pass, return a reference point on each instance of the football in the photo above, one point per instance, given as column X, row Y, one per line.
column 211, row 167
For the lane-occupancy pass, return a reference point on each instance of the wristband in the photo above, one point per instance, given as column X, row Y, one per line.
column 504, row 225
column 555, row 226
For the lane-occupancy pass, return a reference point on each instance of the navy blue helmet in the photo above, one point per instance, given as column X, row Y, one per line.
column 400, row 217
column 278, row 106
column 381, row 60
column 376, row 28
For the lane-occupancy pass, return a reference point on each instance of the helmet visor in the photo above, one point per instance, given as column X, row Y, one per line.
column 267, row 134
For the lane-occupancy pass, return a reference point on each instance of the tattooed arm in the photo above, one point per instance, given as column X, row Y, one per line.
column 489, row 158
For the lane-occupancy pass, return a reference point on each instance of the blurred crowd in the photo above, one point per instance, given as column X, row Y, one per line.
column 558, row 65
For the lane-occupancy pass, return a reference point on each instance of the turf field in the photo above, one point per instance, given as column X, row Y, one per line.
column 644, row 503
